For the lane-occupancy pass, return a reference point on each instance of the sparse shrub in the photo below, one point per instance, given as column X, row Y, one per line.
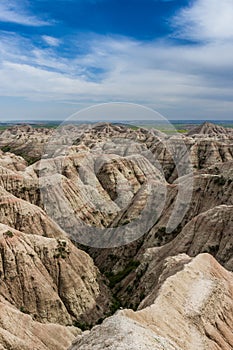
column 129, row 289
column 160, row 234
column 220, row 180
column 115, row 306
column 112, row 257
column 100, row 320
column 6, row 148
column 212, row 249
column 126, row 221
column 25, row 311
column 217, row 171
column 163, row 236
column 82, row 325
column 62, row 250
column 142, row 296
column 119, row 276
column 9, row 234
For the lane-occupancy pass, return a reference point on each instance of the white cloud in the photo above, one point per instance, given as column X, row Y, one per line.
column 206, row 20
column 50, row 40
column 167, row 77
column 11, row 11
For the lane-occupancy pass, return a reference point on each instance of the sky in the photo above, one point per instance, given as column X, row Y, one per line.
column 57, row 57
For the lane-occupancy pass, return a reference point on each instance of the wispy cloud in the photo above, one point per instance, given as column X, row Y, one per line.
column 50, row 40
column 170, row 78
column 15, row 12
column 206, row 20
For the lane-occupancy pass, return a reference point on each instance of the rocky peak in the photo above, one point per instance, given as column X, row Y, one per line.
column 210, row 129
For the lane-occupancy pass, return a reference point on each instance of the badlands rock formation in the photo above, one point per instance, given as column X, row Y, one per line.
column 210, row 232
column 159, row 196
column 19, row 331
column 192, row 309
column 210, row 129
column 24, row 140
column 50, row 278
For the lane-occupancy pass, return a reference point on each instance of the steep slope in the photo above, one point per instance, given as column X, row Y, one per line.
column 12, row 162
column 193, row 309
column 26, row 217
column 50, row 279
column 22, row 184
column 19, row 331
column 210, row 232
column 24, row 140
column 211, row 188
column 94, row 187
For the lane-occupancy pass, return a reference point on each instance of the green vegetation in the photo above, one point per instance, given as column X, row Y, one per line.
column 161, row 235
column 119, row 276
column 30, row 160
column 46, row 126
column 25, row 311
column 9, row 234
column 164, row 237
column 213, row 249
column 61, row 251
column 133, row 127
column 82, row 325
column 6, row 148
column 4, row 127
column 116, row 304
column 220, row 180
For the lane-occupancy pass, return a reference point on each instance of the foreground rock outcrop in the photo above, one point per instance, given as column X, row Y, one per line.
column 192, row 309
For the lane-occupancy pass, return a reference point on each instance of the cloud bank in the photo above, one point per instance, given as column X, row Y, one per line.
column 177, row 79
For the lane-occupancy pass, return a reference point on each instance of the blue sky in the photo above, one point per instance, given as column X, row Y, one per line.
column 57, row 57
